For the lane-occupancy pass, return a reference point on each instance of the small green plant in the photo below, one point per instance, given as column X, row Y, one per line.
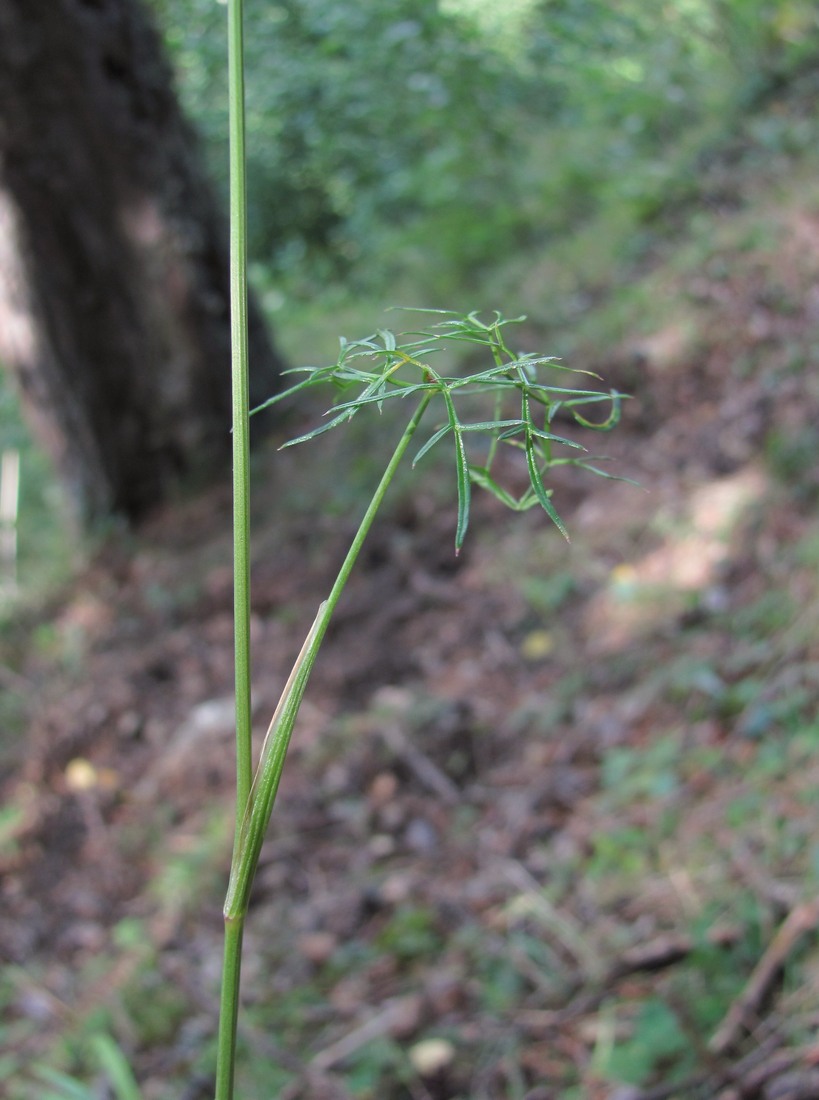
column 370, row 373
column 523, row 402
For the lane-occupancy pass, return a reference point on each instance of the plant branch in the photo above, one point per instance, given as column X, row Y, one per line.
column 266, row 781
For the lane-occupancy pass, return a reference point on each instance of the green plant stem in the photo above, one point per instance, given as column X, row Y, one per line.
column 229, row 1003
column 259, row 803
column 229, row 1009
column 265, row 785
column 369, row 515
column 240, row 402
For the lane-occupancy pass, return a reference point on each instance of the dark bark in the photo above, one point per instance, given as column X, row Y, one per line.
column 114, row 313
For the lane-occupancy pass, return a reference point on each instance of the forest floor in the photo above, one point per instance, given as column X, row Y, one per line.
column 549, row 826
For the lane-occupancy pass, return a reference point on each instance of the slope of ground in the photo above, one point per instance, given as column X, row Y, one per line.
column 548, row 828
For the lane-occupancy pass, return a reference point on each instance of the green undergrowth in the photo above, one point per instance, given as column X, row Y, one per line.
column 700, row 826
column 699, row 823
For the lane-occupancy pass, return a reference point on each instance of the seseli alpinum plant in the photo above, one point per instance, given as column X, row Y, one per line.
column 521, row 403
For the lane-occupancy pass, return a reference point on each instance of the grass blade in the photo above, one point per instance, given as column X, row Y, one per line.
column 69, row 1088
column 115, row 1065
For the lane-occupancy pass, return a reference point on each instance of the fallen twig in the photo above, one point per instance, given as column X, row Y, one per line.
column 428, row 773
column 740, row 1017
column 375, row 1026
column 781, row 894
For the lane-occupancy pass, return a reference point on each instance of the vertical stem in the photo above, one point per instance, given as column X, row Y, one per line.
column 229, row 1009
column 229, row 1004
column 241, row 427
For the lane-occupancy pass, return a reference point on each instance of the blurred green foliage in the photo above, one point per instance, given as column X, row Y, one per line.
column 361, row 118
column 439, row 150
column 446, row 135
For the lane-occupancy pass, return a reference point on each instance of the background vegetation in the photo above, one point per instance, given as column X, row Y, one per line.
column 422, row 150
column 435, row 140
column 621, row 818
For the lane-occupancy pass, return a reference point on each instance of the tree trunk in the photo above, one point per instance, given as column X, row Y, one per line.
column 114, row 316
